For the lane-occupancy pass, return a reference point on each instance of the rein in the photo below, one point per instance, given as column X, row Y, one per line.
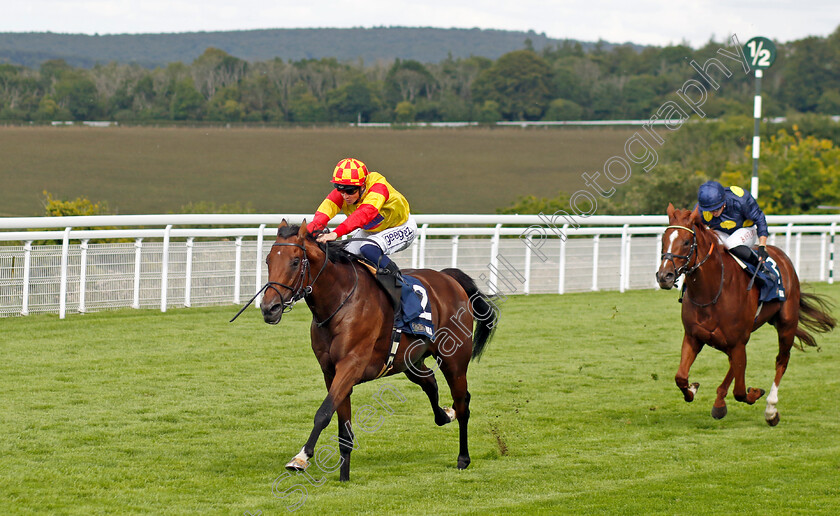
column 688, row 271
column 300, row 289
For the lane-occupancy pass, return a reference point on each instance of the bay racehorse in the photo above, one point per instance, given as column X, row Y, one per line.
column 351, row 330
column 718, row 310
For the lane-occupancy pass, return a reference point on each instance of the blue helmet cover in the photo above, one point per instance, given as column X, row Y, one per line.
column 710, row 197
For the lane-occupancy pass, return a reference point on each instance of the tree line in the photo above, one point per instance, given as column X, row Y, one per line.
column 560, row 82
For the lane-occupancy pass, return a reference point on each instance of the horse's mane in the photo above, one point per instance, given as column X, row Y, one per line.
column 335, row 251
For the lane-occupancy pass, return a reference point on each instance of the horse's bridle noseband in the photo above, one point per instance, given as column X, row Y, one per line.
column 688, row 271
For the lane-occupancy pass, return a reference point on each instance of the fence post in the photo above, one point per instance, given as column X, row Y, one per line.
column 494, row 260
column 561, row 279
column 82, row 274
column 138, row 246
column 454, row 252
column 259, row 266
column 188, row 274
column 164, row 268
column 27, row 263
column 595, row 245
column 657, row 257
column 526, row 287
column 624, row 258
column 823, row 239
column 629, row 261
column 787, row 238
column 237, row 281
column 423, row 229
column 798, row 247
column 65, row 255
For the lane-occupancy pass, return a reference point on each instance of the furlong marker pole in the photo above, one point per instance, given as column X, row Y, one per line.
column 756, row 140
column 831, row 255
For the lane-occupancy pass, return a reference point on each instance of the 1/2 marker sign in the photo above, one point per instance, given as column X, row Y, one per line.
column 761, row 52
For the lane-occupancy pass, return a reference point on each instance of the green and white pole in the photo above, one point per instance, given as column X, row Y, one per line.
column 831, row 255
column 756, row 139
column 761, row 53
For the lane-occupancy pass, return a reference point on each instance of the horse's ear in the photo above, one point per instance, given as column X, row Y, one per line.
column 303, row 231
column 282, row 224
column 696, row 217
column 670, row 210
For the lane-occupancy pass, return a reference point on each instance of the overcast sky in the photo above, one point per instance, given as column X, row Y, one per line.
column 655, row 22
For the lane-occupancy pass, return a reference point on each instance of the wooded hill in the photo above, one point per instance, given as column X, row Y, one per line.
column 423, row 44
column 558, row 82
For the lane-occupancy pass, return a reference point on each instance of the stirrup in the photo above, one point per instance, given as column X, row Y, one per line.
column 392, row 281
column 391, row 270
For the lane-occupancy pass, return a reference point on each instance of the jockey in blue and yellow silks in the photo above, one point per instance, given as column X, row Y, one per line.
column 736, row 218
column 375, row 210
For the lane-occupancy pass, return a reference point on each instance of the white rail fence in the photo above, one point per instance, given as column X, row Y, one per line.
column 178, row 265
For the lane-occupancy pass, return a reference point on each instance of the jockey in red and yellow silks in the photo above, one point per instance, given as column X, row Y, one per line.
column 376, row 212
column 379, row 207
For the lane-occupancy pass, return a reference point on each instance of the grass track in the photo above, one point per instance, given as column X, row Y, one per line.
column 142, row 412
column 153, row 170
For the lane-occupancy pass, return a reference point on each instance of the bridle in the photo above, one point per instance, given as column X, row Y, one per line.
column 689, row 270
column 302, row 286
column 300, row 289
column 684, row 269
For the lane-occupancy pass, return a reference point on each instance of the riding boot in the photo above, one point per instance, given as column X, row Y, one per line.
column 747, row 255
column 391, row 277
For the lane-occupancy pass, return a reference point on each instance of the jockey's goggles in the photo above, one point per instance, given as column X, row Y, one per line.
column 348, row 189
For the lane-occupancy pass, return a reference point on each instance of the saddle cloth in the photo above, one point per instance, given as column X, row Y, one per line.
column 771, row 289
column 415, row 315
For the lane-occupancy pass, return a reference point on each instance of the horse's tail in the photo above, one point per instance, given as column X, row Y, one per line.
column 484, row 311
column 814, row 317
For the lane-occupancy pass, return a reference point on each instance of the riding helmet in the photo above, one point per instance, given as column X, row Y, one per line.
column 350, row 171
column 710, row 196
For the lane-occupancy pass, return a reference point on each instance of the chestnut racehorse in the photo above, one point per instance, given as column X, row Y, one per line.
column 351, row 330
column 718, row 310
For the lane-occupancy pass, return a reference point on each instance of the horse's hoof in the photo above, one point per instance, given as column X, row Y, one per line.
column 719, row 412
column 774, row 420
column 297, row 464
column 463, row 462
column 450, row 412
column 689, row 393
column 693, row 387
column 750, row 391
column 444, row 416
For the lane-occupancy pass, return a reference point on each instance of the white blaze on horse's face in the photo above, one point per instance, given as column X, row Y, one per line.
column 670, row 249
column 671, row 242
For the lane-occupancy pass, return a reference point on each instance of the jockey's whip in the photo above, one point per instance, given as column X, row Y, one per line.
column 752, row 280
